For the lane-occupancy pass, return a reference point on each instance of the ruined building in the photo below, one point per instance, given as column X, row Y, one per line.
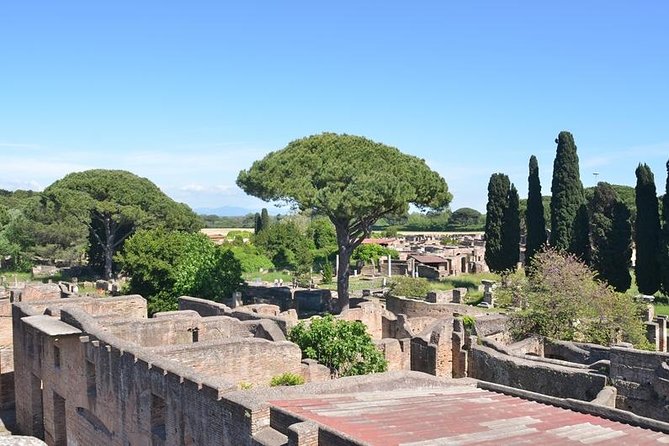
column 96, row 371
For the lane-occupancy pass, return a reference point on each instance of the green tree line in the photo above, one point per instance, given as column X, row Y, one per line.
column 598, row 225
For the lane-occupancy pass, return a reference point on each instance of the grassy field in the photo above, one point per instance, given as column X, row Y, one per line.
column 11, row 277
column 469, row 281
column 662, row 309
column 269, row 277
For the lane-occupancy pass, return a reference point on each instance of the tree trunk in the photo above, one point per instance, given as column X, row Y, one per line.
column 342, row 277
column 108, row 247
column 345, row 250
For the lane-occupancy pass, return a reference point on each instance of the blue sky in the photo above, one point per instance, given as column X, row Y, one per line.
column 188, row 93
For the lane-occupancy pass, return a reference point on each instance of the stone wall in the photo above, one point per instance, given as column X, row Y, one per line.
column 420, row 308
column 202, row 306
column 285, row 321
column 564, row 382
column 576, row 352
column 642, row 381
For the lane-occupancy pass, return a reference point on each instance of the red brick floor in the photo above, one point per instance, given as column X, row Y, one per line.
column 460, row 415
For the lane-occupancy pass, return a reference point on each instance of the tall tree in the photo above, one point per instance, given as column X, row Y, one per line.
column 611, row 234
column 264, row 219
column 647, row 232
column 498, row 192
column 620, row 245
column 257, row 223
column 580, row 244
column 350, row 179
column 567, row 193
column 511, row 230
column 465, row 218
column 664, row 241
column 535, row 221
column 112, row 204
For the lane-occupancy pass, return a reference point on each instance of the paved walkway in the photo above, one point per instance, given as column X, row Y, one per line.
column 461, row 415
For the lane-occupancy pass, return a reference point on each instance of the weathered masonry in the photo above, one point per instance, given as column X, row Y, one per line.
column 97, row 372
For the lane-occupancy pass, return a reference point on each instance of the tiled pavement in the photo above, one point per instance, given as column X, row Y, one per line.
column 460, row 415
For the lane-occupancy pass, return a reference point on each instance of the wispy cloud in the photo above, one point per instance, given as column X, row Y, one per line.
column 201, row 175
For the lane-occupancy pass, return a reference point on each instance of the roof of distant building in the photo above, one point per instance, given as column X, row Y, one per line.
column 428, row 259
column 379, row 241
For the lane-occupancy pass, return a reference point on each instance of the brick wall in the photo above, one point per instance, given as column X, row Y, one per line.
column 97, row 388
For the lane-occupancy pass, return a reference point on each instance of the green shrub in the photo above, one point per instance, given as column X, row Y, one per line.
column 344, row 346
column 469, row 323
column 286, row 379
column 327, row 273
column 409, row 287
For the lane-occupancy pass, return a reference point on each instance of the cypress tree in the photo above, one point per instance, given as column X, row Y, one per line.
column 257, row 223
column 535, row 221
column 580, row 240
column 511, row 230
column 647, row 232
column 264, row 219
column 620, row 246
column 664, row 240
column 498, row 190
column 611, row 231
column 566, row 194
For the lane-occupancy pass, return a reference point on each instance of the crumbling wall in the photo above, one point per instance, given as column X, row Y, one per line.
column 86, row 385
column 580, row 353
column 250, row 361
column 183, row 327
column 431, row 351
column 420, row 308
column 285, row 320
column 369, row 313
column 397, row 352
column 642, row 381
column 487, row 364
column 202, row 306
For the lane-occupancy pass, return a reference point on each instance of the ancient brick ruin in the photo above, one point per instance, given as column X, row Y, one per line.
column 92, row 371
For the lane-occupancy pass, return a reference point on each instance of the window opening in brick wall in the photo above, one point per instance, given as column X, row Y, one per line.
column 56, row 356
column 91, row 388
column 37, row 407
column 59, row 420
column 158, row 416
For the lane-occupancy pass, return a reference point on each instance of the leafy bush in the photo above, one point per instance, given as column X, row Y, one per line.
column 409, row 286
column 164, row 265
column 371, row 252
column 250, row 258
column 561, row 299
column 286, row 379
column 344, row 346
